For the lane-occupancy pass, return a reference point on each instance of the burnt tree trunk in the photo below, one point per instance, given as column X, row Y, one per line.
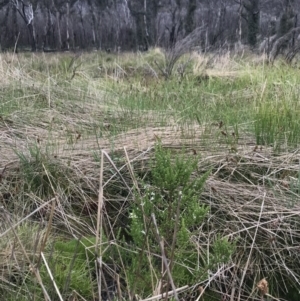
column 252, row 16
column 26, row 12
column 67, row 25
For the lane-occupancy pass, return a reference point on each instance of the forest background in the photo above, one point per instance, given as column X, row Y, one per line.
column 130, row 25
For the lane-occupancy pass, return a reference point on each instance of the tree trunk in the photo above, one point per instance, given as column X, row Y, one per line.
column 47, row 33
column 16, row 28
column 31, row 30
column 67, row 25
column 57, row 16
column 189, row 20
column 4, row 29
column 27, row 14
column 252, row 16
column 93, row 19
column 240, row 22
column 146, row 43
column 137, row 9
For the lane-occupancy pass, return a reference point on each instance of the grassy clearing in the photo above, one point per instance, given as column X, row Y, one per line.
column 103, row 168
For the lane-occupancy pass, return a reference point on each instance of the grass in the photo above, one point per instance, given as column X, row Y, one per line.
column 68, row 119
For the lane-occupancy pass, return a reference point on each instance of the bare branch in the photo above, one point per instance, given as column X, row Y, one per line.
column 28, row 12
column 281, row 42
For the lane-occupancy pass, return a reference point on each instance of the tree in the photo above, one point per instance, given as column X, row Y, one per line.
column 139, row 12
column 219, row 28
column 25, row 10
column 176, row 23
column 286, row 22
column 189, row 21
column 94, row 24
column 67, row 45
column 113, row 23
column 252, row 17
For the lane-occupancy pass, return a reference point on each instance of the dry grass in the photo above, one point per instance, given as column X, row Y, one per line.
column 252, row 192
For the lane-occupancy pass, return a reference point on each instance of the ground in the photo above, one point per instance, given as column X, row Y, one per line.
column 79, row 139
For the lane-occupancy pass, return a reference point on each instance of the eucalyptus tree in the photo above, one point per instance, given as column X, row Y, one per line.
column 26, row 10
column 189, row 20
column 61, row 9
column 252, row 15
column 176, row 25
column 94, row 22
column 63, row 24
column 139, row 11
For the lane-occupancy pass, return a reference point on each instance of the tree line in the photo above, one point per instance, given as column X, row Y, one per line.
column 115, row 25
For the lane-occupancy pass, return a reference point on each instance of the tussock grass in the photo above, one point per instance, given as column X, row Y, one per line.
column 67, row 118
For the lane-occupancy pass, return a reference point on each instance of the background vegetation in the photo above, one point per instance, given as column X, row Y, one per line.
column 266, row 26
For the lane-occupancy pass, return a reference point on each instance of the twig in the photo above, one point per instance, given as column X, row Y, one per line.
column 164, row 258
column 175, row 232
column 34, row 270
column 75, row 292
column 48, row 231
column 51, row 277
column 210, row 280
column 115, row 167
column 26, row 217
column 252, row 246
column 50, row 219
column 170, row 293
column 99, row 233
column 16, row 45
column 136, row 185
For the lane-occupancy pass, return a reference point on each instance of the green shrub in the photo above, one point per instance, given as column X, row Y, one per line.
column 172, row 193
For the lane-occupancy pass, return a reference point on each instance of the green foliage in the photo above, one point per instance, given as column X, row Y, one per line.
column 41, row 173
column 71, row 264
column 168, row 175
column 277, row 123
column 83, row 247
column 172, row 193
column 15, row 270
column 222, row 250
column 189, row 100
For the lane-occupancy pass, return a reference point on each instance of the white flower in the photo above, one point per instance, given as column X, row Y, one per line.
column 152, row 196
column 132, row 215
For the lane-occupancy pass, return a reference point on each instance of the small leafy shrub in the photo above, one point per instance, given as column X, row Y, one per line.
column 172, row 194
